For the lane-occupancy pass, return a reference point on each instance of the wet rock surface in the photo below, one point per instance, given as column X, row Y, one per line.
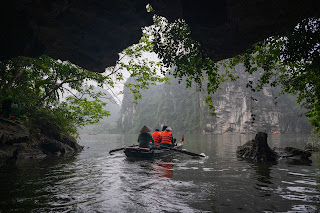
column 258, row 150
column 11, row 132
column 293, row 155
column 16, row 143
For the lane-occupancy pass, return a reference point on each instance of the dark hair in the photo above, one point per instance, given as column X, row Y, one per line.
column 157, row 130
column 164, row 128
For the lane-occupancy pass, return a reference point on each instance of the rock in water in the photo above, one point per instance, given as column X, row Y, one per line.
column 293, row 155
column 257, row 149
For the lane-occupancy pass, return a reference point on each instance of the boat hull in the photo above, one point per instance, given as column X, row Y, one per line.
column 146, row 153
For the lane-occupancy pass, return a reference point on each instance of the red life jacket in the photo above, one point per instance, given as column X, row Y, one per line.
column 156, row 136
column 166, row 137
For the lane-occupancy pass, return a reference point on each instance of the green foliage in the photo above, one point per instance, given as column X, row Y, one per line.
column 173, row 44
column 83, row 111
column 184, row 109
column 135, row 61
column 52, row 123
column 291, row 62
column 55, row 91
column 41, row 84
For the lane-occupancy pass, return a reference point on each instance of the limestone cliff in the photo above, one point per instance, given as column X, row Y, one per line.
column 238, row 109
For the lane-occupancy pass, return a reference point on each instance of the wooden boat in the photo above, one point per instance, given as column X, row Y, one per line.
column 146, row 153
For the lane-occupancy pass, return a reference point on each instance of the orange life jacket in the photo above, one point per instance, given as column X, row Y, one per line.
column 166, row 137
column 156, row 136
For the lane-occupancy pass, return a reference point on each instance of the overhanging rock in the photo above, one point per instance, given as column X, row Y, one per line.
column 92, row 33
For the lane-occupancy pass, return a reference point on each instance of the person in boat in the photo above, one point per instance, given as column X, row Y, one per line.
column 163, row 129
column 167, row 138
column 145, row 139
column 157, row 137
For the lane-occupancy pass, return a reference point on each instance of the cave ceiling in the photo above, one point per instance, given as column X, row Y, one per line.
column 92, row 33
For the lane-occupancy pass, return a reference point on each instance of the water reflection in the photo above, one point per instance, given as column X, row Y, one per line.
column 296, row 161
column 94, row 181
column 163, row 168
column 25, row 186
column 263, row 171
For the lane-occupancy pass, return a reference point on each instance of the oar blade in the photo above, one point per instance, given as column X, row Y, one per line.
column 183, row 151
column 115, row 150
column 119, row 149
column 188, row 153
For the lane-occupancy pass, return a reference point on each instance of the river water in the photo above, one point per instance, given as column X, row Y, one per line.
column 94, row 181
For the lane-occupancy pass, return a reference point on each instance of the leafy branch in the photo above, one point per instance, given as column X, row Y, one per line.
column 291, row 62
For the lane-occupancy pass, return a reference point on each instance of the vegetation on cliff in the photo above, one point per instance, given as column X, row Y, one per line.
column 184, row 109
column 54, row 92
column 291, row 62
column 52, row 96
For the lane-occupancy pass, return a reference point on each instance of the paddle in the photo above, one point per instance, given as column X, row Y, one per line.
column 119, row 149
column 183, row 151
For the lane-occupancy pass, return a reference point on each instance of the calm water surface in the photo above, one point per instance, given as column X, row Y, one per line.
column 94, row 181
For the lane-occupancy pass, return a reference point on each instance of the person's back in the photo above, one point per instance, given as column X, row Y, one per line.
column 163, row 129
column 144, row 140
column 157, row 137
column 166, row 138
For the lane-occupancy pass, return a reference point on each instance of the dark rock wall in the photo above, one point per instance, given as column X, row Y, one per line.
column 227, row 28
column 88, row 33
column 17, row 143
column 92, row 33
